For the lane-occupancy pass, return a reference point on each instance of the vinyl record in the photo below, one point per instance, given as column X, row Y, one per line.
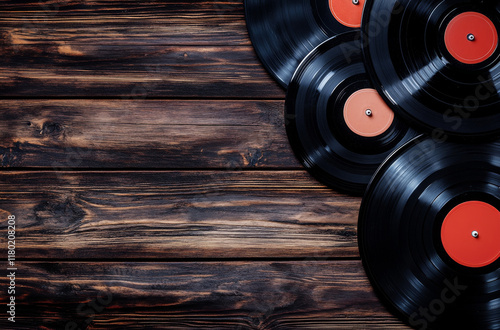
column 337, row 124
column 429, row 230
column 283, row 32
column 437, row 63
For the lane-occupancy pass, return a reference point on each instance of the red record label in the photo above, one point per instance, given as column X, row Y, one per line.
column 470, row 234
column 347, row 12
column 471, row 38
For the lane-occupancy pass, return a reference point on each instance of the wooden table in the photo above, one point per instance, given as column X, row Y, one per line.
column 144, row 156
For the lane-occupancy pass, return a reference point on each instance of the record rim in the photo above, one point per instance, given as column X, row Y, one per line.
column 410, row 119
column 267, row 67
column 338, row 184
column 381, row 294
column 298, row 149
column 325, row 30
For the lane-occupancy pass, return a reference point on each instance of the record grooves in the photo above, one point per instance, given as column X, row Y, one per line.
column 408, row 248
column 355, row 110
column 321, row 96
column 283, row 32
column 437, row 64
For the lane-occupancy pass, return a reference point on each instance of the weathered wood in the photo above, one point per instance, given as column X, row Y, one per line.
column 186, row 214
column 125, row 71
column 124, row 22
column 201, row 175
column 222, row 295
column 127, row 49
column 144, row 134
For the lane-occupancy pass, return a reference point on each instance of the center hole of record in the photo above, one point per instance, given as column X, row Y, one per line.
column 366, row 113
column 470, row 234
column 471, row 37
column 347, row 12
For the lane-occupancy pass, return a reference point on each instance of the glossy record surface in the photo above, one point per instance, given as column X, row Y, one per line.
column 283, row 32
column 314, row 117
column 399, row 234
column 408, row 61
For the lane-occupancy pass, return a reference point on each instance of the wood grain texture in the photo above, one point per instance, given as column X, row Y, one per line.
column 177, row 214
column 93, row 71
column 144, row 134
column 126, row 49
column 221, row 295
column 145, row 157
column 124, row 22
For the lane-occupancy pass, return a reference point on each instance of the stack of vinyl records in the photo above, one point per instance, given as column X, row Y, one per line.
column 398, row 101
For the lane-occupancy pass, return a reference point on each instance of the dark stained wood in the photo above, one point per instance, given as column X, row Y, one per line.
column 129, row 49
column 144, row 134
column 125, row 72
column 221, row 295
column 178, row 214
column 124, row 22
column 145, row 157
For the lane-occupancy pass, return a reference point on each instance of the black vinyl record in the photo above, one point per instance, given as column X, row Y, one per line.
column 283, row 32
column 437, row 63
column 429, row 234
column 329, row 88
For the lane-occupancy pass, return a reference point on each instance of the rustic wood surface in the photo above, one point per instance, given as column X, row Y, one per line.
column 164, row 134
column 143, row 152
column 178, row 214
column 229, row 295
column 160, row 49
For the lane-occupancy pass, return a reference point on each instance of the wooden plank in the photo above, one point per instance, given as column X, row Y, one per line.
column 124, row 71
column 124, row 22
column 221, row 295
column 126, row 49
column 170, row 214
column 144, row 134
